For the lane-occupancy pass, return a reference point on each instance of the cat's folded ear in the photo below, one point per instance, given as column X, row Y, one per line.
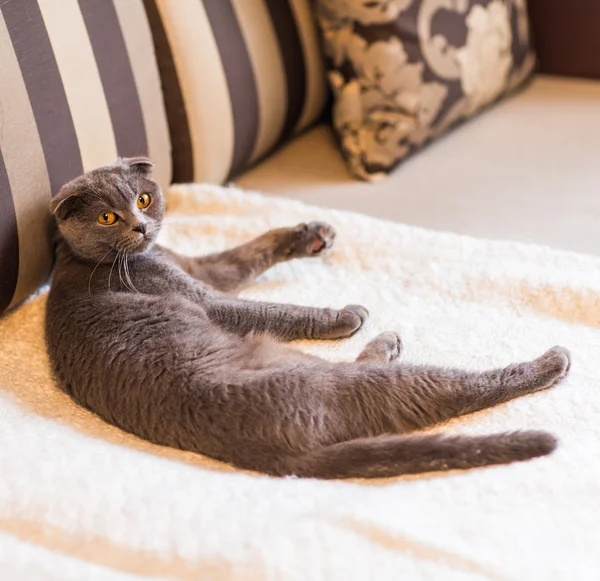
column 140, row 164
column 64, row 202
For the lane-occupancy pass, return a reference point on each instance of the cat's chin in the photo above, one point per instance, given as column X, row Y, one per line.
column 141, row 247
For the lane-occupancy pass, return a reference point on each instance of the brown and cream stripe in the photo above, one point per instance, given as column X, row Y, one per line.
column 78, row 87
column 239, row 77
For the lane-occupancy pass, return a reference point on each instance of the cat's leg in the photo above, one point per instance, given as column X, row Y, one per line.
column 384, row 348
column 402, row 398
column 234, row 269
column 355, row 418
column 286, row 322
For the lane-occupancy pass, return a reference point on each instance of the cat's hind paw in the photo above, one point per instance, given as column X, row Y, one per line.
column 554, row 365
column 385, row 348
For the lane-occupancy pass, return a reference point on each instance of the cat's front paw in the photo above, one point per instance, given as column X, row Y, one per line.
column 349, row 320
column 312, row 239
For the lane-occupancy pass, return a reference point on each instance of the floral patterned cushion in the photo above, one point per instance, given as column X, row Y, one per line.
column 404, row 71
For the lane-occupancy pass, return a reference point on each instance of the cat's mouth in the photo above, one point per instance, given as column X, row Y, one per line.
column 142, row 245
column 138, row 246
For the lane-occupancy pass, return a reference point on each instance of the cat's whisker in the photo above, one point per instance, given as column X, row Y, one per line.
column 128, row 274
column 119, row 266
column 111, row 268
column 123, row 271
column 93, row 271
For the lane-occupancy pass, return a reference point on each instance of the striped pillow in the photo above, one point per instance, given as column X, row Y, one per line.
column 239, row 78
column 78, row 86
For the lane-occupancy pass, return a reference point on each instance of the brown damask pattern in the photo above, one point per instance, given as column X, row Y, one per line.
column 404, row 71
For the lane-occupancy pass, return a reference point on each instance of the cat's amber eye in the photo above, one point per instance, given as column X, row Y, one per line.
column 143, row 201
column 107, row 218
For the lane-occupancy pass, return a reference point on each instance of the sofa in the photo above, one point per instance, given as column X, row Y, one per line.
column 531, row 176
column 82, row 500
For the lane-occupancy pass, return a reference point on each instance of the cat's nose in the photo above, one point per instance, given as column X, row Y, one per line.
column 141, row 228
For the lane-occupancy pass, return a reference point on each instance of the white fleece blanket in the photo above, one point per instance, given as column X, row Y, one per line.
column 82, row 500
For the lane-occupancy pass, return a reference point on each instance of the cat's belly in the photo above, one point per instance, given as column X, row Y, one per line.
column 129, row 339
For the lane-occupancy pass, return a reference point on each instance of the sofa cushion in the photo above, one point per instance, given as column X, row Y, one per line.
column 405, row 71
column 78, row 87
column 526, row 170
column 239, row 78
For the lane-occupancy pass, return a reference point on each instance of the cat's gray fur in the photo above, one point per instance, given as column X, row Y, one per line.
column 157, row 344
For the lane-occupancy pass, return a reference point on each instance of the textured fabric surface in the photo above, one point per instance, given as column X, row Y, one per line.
column 240, row 77
column 82, row 500
column 404, row 71
column 526, row 170
column 566, row 38
column 79, row 85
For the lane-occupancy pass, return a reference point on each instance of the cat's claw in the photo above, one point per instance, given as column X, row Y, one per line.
column 312, row 239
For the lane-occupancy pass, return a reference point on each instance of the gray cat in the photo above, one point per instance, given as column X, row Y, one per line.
column 157, row 344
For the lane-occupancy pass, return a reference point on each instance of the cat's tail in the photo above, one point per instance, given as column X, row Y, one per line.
column 386, row 456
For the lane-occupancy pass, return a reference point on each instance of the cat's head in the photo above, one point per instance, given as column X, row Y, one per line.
column 115, row 208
